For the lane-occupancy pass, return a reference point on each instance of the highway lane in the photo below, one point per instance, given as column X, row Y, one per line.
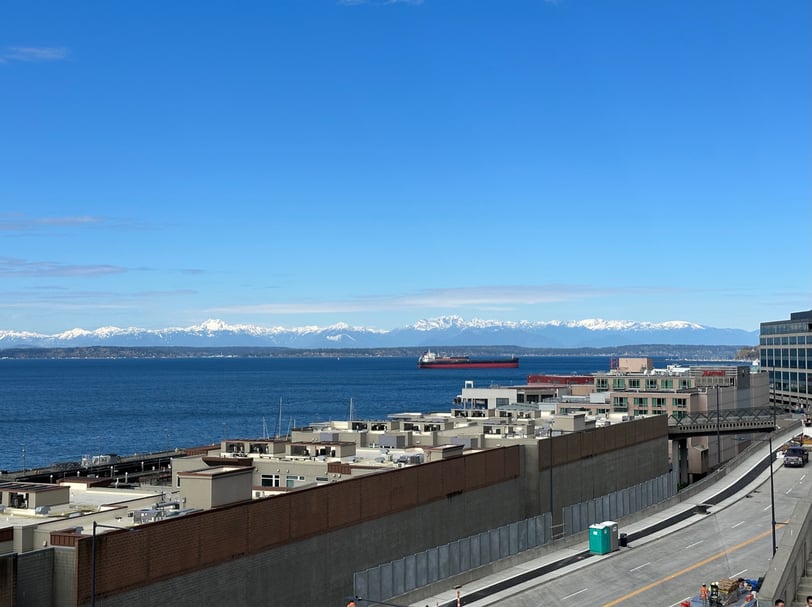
column 734, row 541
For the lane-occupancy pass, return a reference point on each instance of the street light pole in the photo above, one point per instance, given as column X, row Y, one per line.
column 769, row 440
column 772, row 494
column 93, row 567
column 718, row 434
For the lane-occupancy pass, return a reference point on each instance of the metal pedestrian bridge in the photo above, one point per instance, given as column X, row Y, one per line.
column 724, row 421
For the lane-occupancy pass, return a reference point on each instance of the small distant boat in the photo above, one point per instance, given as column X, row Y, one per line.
column 430, row 360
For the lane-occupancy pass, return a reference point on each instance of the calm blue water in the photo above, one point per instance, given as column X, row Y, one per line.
column 58, row 410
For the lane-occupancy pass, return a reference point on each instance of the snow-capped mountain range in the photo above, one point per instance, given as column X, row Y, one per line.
column 445, row 330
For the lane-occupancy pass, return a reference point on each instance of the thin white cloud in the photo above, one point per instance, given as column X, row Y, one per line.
column 20, row 222
column 486, row 298
column 11, row 266
column 31, row 54
column 59, row 298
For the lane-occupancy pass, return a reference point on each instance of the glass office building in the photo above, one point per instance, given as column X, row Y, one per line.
column 785, row 350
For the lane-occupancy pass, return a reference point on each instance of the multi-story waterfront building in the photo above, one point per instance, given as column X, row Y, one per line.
column 785, row 350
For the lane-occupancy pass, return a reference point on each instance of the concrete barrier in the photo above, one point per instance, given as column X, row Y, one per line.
column 788, row 566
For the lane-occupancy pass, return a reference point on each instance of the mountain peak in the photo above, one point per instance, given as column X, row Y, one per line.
column 449, row 330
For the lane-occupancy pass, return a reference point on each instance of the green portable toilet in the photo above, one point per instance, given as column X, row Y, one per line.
column 600, row 539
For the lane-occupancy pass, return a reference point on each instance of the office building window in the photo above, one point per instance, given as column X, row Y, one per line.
column 269, row 480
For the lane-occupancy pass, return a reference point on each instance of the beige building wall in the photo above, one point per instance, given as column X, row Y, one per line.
column 215, row 487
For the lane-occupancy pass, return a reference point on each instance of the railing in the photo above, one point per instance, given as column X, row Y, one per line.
column 760, row 419
column 398, row 577
column 578, row 517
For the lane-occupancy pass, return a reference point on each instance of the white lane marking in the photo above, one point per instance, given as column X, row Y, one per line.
column 639, row 567
column 737, row 524
column 739, row 573
column 687, row 598
column 787, row 491
column 766, row 508
column 694, row 544
column 574, row 593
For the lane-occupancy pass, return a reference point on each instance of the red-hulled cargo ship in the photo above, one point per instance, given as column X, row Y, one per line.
column 429, row 360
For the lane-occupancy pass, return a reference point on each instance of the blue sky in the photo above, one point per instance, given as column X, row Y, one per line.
column 289, row 163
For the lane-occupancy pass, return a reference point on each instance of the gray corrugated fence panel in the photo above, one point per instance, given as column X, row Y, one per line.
column 454, row 558
column 538, row 529
column 606, row 503
column 432, row 565
column 476, row 551
column 411, row 572
column 547, row 527
column 387, row 589
column 493, row 542
column 359, row 583
column 627, row 506
column 522, row 542
column 591, row 514
column 580, row 518
column 374, row 584
column 422, row 569
column 442, row 562
column 650, row 494
column 398, row 577
column 584, row 516
column 484, row 548
column 507, row 542
column 466, row 554
column 530, row 531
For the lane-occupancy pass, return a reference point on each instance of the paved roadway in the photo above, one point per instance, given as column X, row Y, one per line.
column 666, row 567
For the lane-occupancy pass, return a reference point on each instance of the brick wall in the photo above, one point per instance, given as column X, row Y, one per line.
column 572, row 448
column 8, row 580
column 179, row 546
